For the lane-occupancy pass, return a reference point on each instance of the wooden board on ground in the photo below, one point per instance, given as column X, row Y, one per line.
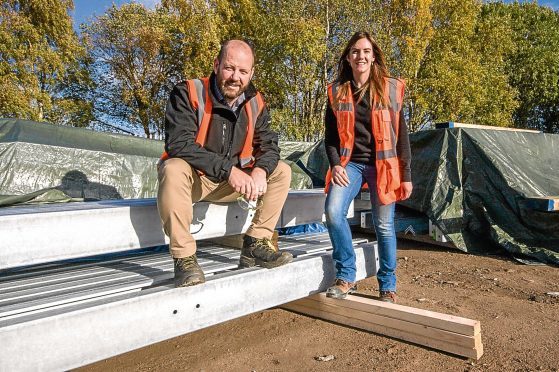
column 452, row 124
column 452, row 334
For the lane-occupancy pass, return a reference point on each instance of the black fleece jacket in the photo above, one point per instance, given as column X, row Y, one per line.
column 226, row 135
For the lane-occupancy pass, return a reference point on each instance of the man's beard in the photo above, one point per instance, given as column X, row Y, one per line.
column 231, row 89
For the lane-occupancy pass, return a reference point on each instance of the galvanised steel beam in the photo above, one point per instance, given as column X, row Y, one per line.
column 38, row 234
column 68, row 337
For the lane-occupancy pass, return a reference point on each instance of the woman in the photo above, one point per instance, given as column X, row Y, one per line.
column 366, row 142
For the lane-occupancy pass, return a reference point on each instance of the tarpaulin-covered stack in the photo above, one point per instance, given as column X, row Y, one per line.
column 474, row 184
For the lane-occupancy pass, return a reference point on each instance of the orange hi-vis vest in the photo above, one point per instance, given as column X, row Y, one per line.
column 386, row 125
column 201, row 102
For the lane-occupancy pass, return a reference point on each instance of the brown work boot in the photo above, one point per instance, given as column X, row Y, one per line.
column 388, row 296
column 188, row 272
column 261, row 252
column 341, row 289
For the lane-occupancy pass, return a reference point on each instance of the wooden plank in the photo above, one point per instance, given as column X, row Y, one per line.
column 383, row 330
column 428, row 318
column 391, row 322
column 452, row 124
column 448, row 333
column 544, row 203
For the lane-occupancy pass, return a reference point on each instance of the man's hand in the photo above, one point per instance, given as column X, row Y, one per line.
column 339, row 176
column 407, row 189
column 242, row 183
column 259, row 178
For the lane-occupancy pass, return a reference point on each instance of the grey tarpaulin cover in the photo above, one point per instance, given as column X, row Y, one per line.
column 77, row 162
column 41, row 162
column 473, row 183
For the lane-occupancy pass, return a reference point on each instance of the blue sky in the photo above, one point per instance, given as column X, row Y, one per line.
column 550, row 3
column 85, row 9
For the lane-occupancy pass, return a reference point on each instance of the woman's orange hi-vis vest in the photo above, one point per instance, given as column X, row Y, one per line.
column 201, row 102
column 386, row 125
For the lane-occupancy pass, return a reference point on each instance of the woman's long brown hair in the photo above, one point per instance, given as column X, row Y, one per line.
column 379, row 71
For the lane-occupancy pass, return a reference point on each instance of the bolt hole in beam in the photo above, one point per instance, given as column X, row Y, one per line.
column 175, row 311
column 197, row 306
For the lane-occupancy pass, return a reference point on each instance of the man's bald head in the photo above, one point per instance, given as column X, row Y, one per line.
column 235, row 44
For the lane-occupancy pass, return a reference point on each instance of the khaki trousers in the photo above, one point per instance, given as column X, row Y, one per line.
column 180, row 186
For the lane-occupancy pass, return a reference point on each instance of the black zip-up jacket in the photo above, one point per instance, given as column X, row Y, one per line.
column 226, row 135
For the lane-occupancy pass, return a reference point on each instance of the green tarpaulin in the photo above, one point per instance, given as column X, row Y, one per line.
column 473, row 184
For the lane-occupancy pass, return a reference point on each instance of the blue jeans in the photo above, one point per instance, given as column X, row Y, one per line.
column 337, row 203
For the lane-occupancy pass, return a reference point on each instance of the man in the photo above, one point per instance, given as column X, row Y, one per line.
column 218, row 147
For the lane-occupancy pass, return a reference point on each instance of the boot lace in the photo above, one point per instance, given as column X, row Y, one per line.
column 187, row 262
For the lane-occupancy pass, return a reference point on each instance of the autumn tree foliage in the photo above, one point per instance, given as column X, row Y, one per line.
column 489, row 63
column 42, row 63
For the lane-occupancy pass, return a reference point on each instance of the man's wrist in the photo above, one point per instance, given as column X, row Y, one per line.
column 260, row 169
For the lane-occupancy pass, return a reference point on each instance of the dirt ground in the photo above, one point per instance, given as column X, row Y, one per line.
column 519, row 322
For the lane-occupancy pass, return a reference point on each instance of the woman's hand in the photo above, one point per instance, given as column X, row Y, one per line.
column 407, row 189
column 339, row 176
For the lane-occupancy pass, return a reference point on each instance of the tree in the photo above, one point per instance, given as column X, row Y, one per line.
column 533, row 64
column 197, row 34
column 409, row 32
column 296, row 44
column 39, row 55
column 462, row 73
column 135, row 64
column 290, row 72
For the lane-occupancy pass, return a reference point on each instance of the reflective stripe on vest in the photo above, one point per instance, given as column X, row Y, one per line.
column 385, row 123
column 199, row 93
column 199, row 96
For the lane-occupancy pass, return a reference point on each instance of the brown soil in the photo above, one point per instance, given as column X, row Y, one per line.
column 520, row 325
